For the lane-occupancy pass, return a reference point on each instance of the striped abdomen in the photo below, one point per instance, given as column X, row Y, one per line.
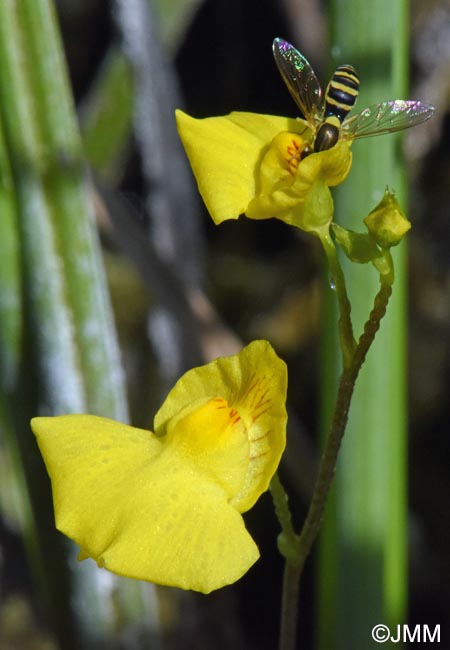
column 340, row 97
column 341, row 93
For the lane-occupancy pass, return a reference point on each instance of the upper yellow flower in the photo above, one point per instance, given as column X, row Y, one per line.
column 165, row 506
column 255, row 165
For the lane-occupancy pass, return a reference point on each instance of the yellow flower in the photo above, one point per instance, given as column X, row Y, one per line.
column 166, row 506
column 255, row 165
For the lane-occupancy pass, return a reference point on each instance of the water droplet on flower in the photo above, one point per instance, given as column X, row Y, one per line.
column 332, row 282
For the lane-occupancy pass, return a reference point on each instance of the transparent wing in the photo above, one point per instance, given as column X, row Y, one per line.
column 300, row 79
column 385, row 118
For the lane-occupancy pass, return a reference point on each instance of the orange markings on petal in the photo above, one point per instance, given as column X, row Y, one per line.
column 249, row 389
column 253, row 388
column 262, row 397
column 260, row 455
column 256, row 398
column 258, row 415
column 221, row 403
column 234, row 416
column 293, row 156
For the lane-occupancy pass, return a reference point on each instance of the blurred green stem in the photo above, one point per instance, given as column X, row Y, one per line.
column 106, row 123
column 69, row 356
column 11, row 308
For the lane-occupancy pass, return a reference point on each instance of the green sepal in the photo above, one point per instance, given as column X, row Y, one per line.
column 358, row 247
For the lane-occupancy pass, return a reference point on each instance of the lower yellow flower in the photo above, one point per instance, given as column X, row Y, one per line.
column 166, row 506
column 256, row 165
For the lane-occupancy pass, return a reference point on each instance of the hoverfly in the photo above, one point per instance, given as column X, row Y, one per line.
column 327, row 117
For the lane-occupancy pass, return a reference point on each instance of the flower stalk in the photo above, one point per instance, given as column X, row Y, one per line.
column 347, row 339
column 300, row 545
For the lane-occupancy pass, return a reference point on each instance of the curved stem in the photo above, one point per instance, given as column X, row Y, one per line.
column 334, row 440
column 280, row 501
column 300, row 546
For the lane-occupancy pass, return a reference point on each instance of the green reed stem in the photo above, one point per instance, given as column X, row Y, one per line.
column 11, row 312
column 69, row 355
column 106, row 116
column 71, row 212
column 364, row 537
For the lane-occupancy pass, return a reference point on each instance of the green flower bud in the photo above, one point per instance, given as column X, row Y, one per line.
column 387, row 223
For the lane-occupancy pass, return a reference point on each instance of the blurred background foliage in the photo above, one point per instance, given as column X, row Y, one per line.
column 182, row 292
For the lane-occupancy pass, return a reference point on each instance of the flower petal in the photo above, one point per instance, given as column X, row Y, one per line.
column 137, row 508
column 254, row 383
column 330, row 167
column 281, row 204
column 301, row 199
column 225, row 154
column 213, row 438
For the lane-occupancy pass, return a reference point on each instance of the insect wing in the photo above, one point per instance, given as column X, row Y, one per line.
column 300, row 79
column 385, row 118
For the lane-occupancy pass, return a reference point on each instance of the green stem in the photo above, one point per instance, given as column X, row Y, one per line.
column 280, row 501
column 347, row 338
column 300, row 546
column 333, row 443
column 287, row 545
column 289, row 606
